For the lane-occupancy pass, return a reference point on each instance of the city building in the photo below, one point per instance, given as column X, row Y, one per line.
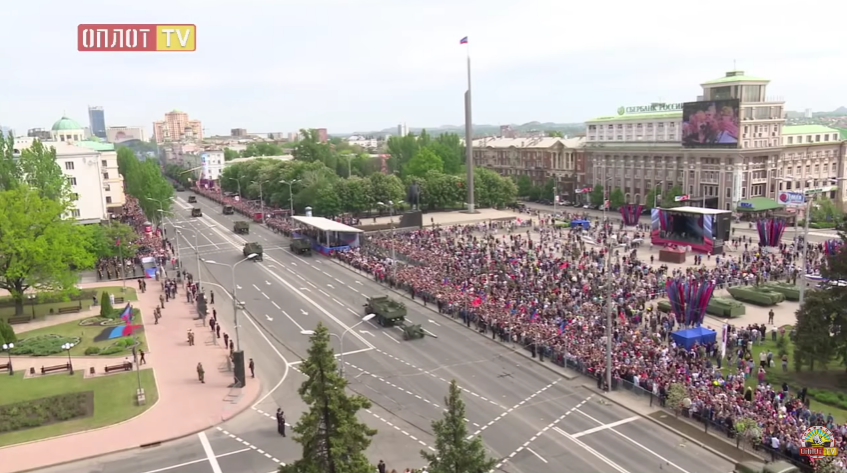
column 97, row 122
column 538, row 158
column 211, row 165
column 238, row 132
column 402, row 129
column 91, row 168
column 323, row 137
column 121, row 134
column 369, row 144
column 641, row 148
column 39, row 133
column 293, row 136
column 177, row 127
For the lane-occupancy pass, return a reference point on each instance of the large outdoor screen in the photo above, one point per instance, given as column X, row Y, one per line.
column 710, row 124
column 669, row 227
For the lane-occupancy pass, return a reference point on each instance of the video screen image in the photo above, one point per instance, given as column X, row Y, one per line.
column 683, row 229
column 711, row 123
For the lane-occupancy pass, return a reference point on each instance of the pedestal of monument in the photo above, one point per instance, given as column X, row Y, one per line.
column 672, row 255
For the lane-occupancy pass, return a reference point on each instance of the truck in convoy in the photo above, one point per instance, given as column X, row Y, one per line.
column 390, row 313
column 253, row 248
column 301, row 246
column 772, row 467
column 241, row 227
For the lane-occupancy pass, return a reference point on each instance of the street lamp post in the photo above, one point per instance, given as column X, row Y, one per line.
column 239, row 358
column 341, row 340
column 261, row 199
column 31, row 298
column 390, row 206
column 196, row 249
column 8, row 348
column 609, row 309
column 67, row 347
column 290, row 194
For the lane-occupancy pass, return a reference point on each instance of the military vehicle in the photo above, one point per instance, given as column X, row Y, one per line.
column 228, row 210
column 192, row 199
column 301, row 246
column 241, row 228
column 195, row 212
column 251, row 248
column 772, row 467
column 179, row 188
column 390, row 313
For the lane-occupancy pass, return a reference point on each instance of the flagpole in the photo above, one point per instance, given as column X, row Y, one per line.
column 122, row 266
column 469, row 164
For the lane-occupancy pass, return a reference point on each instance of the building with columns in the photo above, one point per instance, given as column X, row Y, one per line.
column 640, row 148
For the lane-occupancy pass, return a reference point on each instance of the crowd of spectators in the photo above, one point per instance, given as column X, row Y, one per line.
column 546, row 288
column 150, row 242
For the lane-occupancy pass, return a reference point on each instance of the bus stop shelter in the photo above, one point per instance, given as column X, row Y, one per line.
column 327, row 235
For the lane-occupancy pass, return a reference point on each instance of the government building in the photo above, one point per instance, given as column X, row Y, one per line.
column 740, row 161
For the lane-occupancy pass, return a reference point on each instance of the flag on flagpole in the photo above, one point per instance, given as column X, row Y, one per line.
column 463, row 40
column 126, row 314
column 118, row 242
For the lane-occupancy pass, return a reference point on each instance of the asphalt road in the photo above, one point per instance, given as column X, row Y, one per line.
column 527, row 416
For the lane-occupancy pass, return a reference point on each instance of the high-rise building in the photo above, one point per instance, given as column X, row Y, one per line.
column 322, row 135
column 176, row 127
column 97, row 121
column 120, row 134
column 238, row 132
column 402, row 129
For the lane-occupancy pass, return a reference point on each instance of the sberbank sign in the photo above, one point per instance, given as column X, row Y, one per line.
column 652, row 108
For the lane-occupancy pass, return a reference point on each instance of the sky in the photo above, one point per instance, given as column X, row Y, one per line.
column 362, row 65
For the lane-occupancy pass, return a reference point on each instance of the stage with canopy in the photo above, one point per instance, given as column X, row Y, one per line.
column 687, row 338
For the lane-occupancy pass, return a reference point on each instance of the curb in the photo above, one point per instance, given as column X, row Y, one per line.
column 669, row 428
column 563, row 374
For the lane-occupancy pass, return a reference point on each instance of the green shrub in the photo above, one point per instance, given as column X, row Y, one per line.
column 7, row 333
column 43, row 345
column 92, row 351
column 112, row 350
column 47, row 410
column 830, row 398
column 106, row 309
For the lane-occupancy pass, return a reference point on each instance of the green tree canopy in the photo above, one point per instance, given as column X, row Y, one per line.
column 39, row 247
column 825, row 210
column 617, row 199
column 332, row 437
column 260, row 149
column 310, row 149
column 554, row 134
column 597, row 196
column 668, row 199
column 230, row 154
column 423, row 162
column 402, row 149
column 524, row 185
column 144, row 181
column 114, row 239
column 449, row 147
column 651, row 198
column 454, row 451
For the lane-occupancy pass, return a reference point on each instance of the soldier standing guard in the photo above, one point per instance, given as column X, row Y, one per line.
column 201, row 374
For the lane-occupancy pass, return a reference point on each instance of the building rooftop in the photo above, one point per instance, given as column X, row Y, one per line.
column 638, row 117
column 66, row 123
column 95, row 145
column 527, row 142
column 735, row 76
column 66, row 149
column 806, row 129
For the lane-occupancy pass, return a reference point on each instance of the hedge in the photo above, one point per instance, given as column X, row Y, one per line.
column 756, row 295
column 7, row 301
column 46, row 410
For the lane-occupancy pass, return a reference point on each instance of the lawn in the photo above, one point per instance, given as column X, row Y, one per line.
column 86, row 335
column 114, row 400
column 43, row 309
column 832, row 380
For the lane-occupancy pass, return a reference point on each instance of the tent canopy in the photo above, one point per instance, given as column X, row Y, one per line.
column 689, row 337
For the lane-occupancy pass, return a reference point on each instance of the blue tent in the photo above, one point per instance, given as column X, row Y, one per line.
column 688, row 337
column 581, row 223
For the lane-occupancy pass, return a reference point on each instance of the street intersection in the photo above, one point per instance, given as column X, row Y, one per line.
column 530, row 418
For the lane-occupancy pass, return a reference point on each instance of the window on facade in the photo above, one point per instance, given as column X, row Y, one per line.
column 106, row 175
column 791, row 140
column 107, row 187
column 799, row 140
column 108, row 199
column 72, row 181
column 817, row 138
column 104, row 163
column 69, row 165
column 75, row 213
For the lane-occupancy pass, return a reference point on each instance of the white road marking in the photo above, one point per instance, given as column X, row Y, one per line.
column 551, row 425
column 210, row 454
column 267, row 283
column 590, row 450
column 330, row 286
column 324, row 292
column 537, row 455
column 434, row 323
column 293, row 263
column 338, row 302
column 251, row 446
column 339, row 281
column 359, row 283
column 257, row 287
column 392, row 338
column 266, row 296
column 193, row 462
column 276, row 305
column 270, row 319
column 367, row 333
column 294, row 364
column 682, row 470
column 605, row 426
column 516, row 406
column 292, row 320
column 310, row 283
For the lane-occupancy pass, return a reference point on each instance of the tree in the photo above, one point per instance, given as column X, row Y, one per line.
column 7, row 333
column 230, row 154
column 422, row 163
column 333, row 439
column 554, row 134
column 114, row 239
column 668, row 199
column 39, row 247
column 548, row 190
column 106, row 309
column 35, row 168
column 748, row 431
column 310, row 149
column 524, row 184
column 144, row 181
column 260, row 149
column 454, row 452
column 676, row 397
column 449, row 147
column 597, row 196
column 402, row 149
column 813, row 343
column 825, row 210
column 617, row 198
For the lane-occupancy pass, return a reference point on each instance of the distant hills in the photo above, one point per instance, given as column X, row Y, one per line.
column 838, row 112
column 565, row 128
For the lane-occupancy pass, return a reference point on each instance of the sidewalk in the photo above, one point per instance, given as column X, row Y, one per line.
column 185, row 406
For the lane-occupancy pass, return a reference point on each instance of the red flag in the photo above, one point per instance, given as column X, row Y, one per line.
column 118, row 242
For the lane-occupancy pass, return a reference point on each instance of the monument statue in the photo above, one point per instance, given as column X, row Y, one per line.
column 413, row 196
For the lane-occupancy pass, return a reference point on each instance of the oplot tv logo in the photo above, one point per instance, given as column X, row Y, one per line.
column 104, row 38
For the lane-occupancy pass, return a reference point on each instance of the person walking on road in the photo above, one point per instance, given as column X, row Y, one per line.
column 252, row 367
column 141, row 360
column 201, row 373
column 280, row 422
column 211, row 297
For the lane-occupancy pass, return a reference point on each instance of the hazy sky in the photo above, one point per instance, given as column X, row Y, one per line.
column 352, row 65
